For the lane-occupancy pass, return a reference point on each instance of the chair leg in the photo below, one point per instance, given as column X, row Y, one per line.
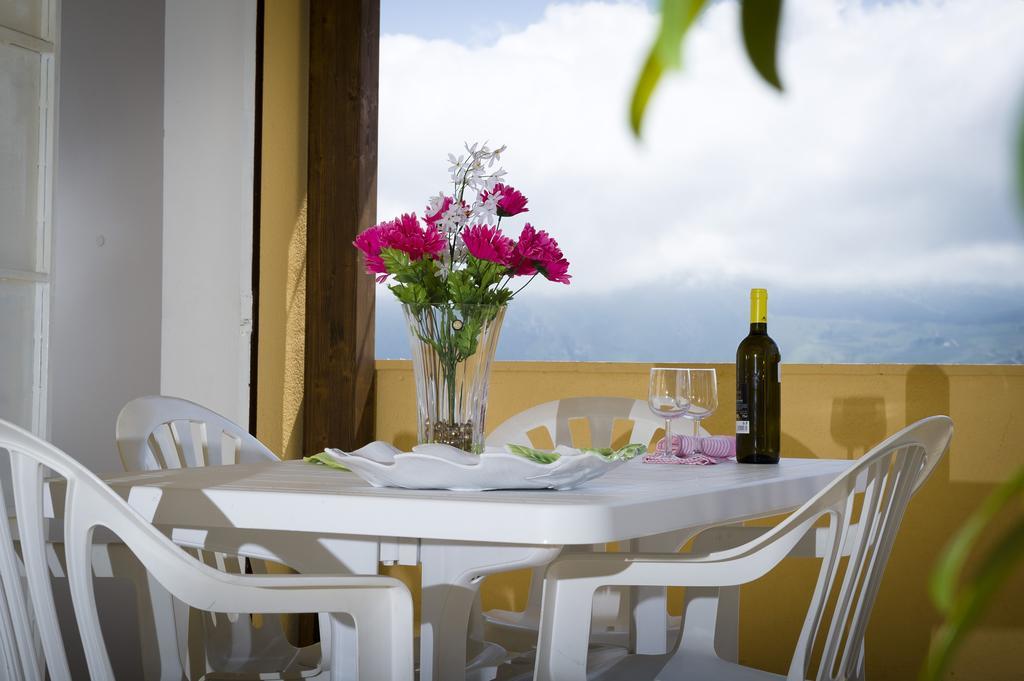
column 155, row 609
column 727, row 626
column 711, row 621
column 384, row 637
column 562, row 651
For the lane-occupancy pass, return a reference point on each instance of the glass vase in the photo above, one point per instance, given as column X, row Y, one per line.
column 452, row 349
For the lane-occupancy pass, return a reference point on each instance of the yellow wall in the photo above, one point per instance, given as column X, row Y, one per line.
column 828, row 411
column 282, row 300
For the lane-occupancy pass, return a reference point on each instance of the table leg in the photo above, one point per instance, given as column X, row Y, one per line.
column 451, row 576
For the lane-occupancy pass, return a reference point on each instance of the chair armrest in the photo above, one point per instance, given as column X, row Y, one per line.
column 729, row 567
column 293, row 593
column 814, row 544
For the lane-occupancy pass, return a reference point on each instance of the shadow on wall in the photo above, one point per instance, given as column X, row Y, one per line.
column 935, row 514
column 858, row 423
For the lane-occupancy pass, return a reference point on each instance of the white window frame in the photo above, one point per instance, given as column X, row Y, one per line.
column 42, row 276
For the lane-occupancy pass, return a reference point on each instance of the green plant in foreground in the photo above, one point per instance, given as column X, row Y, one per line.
column 964, row 601
column 759, row 21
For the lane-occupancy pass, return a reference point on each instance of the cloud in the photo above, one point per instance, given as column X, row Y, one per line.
column 887, row 162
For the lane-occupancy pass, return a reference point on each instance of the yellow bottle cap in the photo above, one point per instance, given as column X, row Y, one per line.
column 758, row 306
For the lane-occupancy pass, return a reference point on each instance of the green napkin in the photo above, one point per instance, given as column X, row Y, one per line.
column 324, row 460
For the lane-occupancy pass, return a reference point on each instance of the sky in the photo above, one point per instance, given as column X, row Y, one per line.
column 873, row 198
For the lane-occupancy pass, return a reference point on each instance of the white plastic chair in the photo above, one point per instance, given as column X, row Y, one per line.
column 580, row 422
column 158, row 432
column 890, row 473
column 380, row 606
column 576, row 422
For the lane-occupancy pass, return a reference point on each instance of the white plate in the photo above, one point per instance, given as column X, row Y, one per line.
column 438, row 466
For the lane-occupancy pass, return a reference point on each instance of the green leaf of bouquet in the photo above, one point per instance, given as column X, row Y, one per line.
column 760, row 21
column 324, row 460
column 395, row 260
column 533, row 454
column 973, row 601
column 467, row 337
column 413, row 295
column 946, row 575
column 460, row 288
column 484, row 272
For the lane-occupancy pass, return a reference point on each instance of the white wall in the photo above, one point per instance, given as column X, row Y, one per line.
column 108, row 213
column 107, row 233
column 209, row 76
column 152, row 230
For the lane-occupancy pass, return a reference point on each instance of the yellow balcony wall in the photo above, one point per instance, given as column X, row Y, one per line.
column 828, row 411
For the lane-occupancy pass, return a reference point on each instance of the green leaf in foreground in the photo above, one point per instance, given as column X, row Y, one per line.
column 947, row 572
column 534, row 454
column 974, row 599
column 760, row 22
column 666, row 53
column 324, row 460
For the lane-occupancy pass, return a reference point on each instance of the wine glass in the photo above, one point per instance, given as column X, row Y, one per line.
column 668, row 397
column 703, row 397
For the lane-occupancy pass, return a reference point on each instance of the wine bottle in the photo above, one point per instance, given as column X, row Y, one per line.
column 758, row 388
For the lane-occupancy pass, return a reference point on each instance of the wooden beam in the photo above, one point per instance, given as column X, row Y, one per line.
column 344, row 40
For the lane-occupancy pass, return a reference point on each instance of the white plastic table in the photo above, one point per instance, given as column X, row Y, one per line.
column 457, row 537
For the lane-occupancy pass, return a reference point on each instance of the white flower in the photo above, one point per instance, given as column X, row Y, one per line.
column 434, row 204
column 453, row 219
column 486, row 211
column 472, row 170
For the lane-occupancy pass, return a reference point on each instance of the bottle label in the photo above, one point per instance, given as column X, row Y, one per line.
column 743, row 427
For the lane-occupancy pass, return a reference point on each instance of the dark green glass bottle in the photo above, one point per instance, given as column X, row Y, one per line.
column 758, row 389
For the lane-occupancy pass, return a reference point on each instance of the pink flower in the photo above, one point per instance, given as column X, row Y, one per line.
column 555, row 270
column 371, row 242
column 536, row 250
column 403, row 233
column 488, row 243
column 406, row 234
column 510, row 200
column 436, row 209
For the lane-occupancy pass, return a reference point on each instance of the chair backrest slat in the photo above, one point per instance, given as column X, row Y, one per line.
column 581, row 422
column 157, row 432
column 27, row 481
column 25, row 662
column 890, row 474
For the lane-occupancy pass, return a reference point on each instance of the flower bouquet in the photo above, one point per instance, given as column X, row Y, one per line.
column 455, row 273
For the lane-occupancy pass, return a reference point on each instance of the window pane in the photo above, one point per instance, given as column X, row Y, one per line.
column 873, row 198
column 25, row 16
column 18, row 345
column 20, row 72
